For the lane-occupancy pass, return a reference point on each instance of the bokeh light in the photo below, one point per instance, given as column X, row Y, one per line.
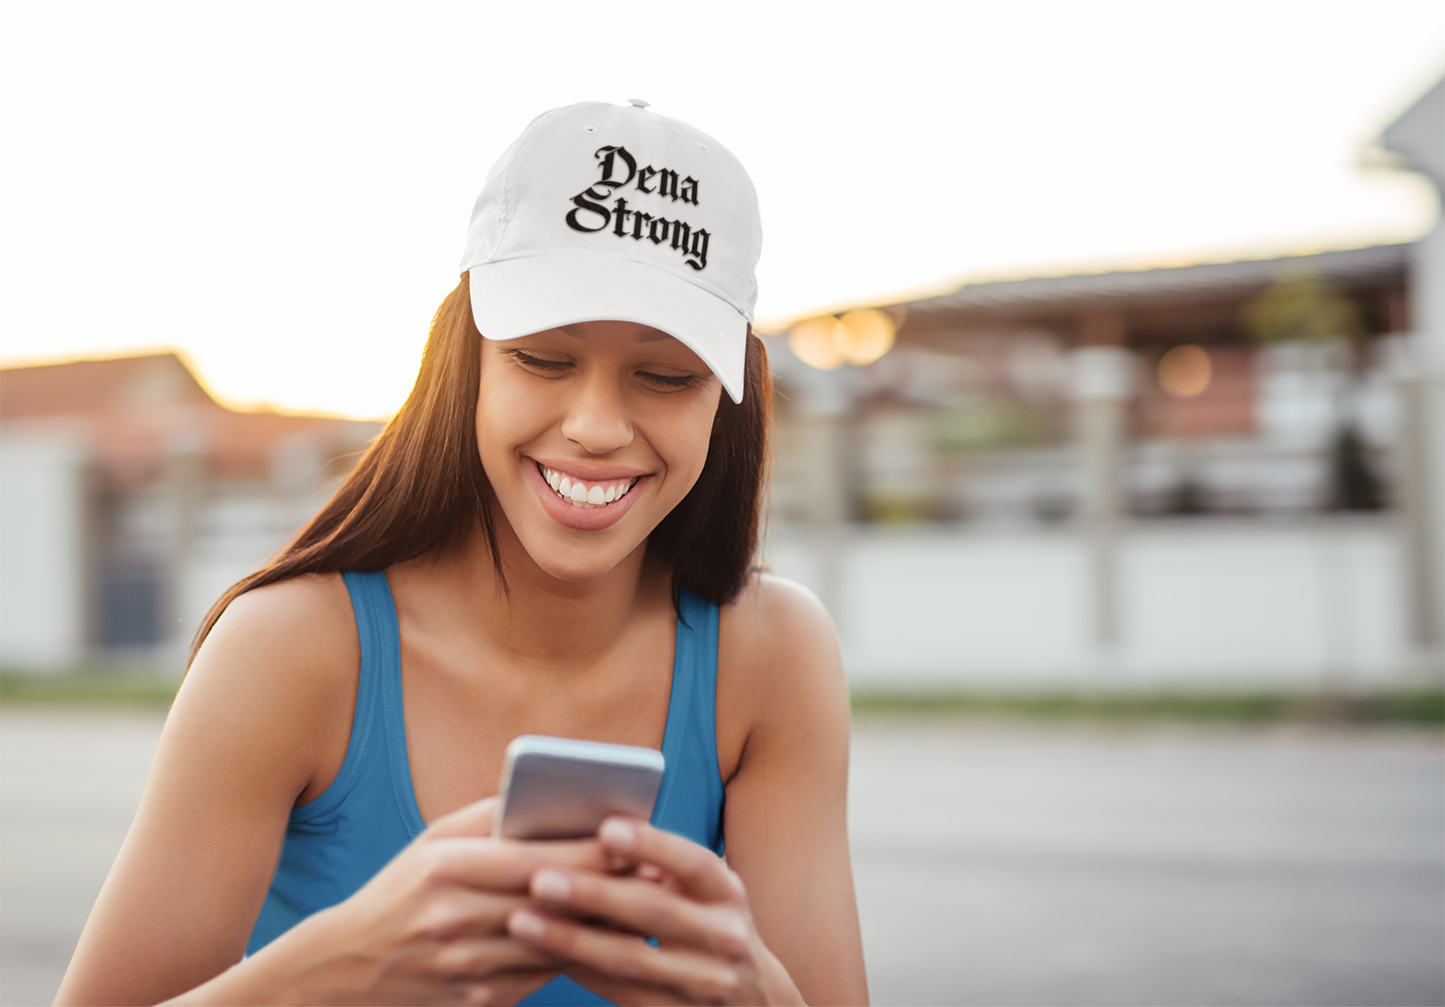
column 864, row 335
column 812, row 342
column 1185, row 371
column 858, row 338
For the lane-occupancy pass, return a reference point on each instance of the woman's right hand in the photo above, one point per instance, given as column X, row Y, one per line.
column 428, row 928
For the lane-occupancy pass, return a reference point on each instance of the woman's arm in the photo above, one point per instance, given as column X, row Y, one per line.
column 787, row 815
column 254, row 722
column 262, row 720
column 778, row 921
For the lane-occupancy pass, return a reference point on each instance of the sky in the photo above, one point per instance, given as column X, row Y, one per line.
column 281, row 191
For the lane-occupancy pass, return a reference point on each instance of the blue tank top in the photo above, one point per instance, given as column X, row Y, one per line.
column 335, row 843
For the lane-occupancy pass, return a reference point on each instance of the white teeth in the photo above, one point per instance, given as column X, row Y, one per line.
column 579, row 494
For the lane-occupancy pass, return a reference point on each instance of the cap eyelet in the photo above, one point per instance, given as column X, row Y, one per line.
column 702, row 148
column 590, row 129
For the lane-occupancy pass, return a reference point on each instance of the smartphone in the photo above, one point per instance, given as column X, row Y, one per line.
column 562, row 788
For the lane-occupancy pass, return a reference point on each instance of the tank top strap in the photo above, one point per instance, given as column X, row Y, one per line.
column 337, row 842
column 691, row 799
column 377, row 749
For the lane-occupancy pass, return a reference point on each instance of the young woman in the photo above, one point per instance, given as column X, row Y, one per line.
column 555, row 535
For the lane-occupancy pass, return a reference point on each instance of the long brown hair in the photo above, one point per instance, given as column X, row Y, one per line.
column 421, row 487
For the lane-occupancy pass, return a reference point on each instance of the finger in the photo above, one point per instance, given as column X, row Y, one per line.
column 505, row 865
column 477, row 959
column 620, row 990
column 460, row 914
column 505, row 987
column 696, row 868
column 473, row 820
column 697, row 976
column 644, row 907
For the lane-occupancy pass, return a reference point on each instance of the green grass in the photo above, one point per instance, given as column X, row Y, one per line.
column 89, row 687
column 151, row 689
column 1423, row 707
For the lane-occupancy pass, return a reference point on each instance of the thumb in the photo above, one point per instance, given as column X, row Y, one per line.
column 473, row 820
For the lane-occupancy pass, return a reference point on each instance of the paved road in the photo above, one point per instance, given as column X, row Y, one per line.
column 995, row 864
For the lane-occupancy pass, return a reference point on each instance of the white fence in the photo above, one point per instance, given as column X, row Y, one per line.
column 1204, row 604
column 42, row 542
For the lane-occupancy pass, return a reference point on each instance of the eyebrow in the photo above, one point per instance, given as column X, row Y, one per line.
column 647, row 336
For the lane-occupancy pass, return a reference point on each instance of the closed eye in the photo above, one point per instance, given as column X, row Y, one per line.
column 537, row 363
column 678, row 381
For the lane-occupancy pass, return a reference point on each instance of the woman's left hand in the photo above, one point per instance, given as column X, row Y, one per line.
column 708, row 949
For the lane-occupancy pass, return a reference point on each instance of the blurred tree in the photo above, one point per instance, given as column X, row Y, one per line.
column 1302, row 308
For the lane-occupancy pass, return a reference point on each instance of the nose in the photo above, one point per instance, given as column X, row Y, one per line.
column 597, row 416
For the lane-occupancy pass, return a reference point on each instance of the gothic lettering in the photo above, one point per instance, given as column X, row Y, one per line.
column 699, row 249
column 583, row 203
column 622, row 214
column 617, row 168
column 610, row 162
column 681, row 235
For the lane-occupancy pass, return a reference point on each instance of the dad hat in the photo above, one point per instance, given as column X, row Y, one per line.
column 602, row 211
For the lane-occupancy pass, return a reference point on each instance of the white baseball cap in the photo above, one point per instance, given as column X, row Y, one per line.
column 602, row 211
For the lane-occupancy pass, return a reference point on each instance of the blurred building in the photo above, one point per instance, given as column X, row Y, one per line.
column 1189, row 477
column 1219, row 475
column 130, row 499
column 971, row 414
column 1416, row 143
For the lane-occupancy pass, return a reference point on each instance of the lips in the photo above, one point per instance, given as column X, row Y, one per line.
column 586, row 505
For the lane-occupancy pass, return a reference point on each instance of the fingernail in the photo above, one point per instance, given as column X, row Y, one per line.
column 617, row 834
column 526, row 926
column 551, row 886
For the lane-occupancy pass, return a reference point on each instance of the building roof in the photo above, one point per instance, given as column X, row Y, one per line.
column 1198, row 303
column 1350, row 267
column 134, row 414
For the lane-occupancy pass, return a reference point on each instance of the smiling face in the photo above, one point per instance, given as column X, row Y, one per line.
column 590, row 434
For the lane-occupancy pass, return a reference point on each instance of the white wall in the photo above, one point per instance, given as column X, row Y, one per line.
column 1204, row 603
column 235, row 535
column 42, row 563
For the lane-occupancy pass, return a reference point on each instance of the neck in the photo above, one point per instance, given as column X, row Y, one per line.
column 537, row 619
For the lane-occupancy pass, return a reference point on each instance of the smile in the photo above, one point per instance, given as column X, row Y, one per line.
column 585, row 496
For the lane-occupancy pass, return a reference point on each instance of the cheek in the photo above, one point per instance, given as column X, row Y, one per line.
column 502, row 406
column 687, row 439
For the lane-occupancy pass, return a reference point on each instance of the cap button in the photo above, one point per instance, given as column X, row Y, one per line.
column 638, row 102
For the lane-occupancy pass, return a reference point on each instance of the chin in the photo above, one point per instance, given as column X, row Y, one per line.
column 572, row 571
column 576, row 558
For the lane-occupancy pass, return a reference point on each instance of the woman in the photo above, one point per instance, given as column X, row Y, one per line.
column 553, row 536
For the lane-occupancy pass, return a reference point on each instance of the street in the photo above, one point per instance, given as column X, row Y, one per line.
column 995, row 863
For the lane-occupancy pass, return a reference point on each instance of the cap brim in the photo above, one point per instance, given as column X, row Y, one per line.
column 516, row 297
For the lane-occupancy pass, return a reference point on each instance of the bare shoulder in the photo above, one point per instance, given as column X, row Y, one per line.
column 778, row 653
column 774, row 613
column 280, row 668
column 305, row 620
